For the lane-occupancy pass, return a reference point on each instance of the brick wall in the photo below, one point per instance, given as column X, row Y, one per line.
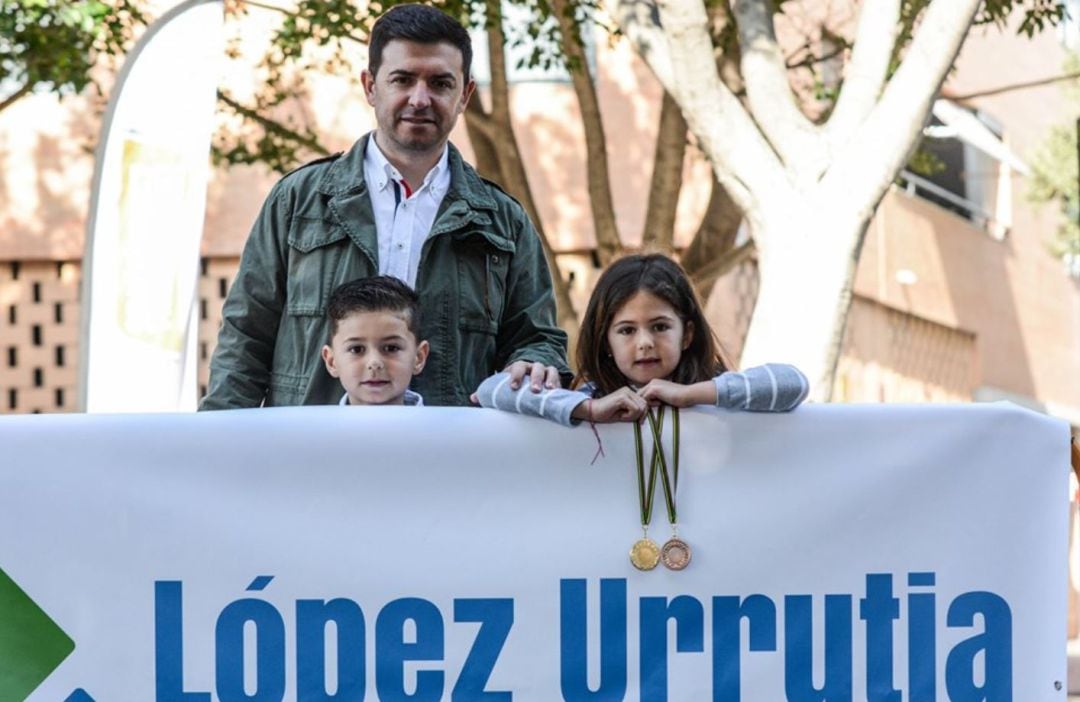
column 40, row 317
column 39, row 336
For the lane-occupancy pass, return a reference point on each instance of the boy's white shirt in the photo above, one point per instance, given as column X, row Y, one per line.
column 412, row 399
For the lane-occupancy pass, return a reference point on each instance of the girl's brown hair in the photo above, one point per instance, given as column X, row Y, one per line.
column 662, row 277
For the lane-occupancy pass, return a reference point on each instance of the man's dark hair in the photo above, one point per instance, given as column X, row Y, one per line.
column 381, row 293
column 422, row 24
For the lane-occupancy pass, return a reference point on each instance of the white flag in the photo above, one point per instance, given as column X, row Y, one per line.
column 140, row 269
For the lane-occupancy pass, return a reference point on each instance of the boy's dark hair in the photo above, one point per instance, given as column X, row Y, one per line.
column 659, row 275
column 422, row 24
column 380, row 293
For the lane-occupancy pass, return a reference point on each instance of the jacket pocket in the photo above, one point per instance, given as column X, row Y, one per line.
column 482, row 267
column 314, row 254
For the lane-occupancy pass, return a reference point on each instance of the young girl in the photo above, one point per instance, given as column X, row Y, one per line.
column 644, row 341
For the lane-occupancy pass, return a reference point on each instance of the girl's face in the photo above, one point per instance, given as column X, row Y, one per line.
column 647, row 338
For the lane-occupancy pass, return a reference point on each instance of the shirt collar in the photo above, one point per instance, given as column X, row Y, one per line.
column 436, row 181
column 412, row 399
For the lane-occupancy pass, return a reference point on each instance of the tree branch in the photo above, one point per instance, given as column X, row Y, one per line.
column 812, row 60
column 705, row 278
column 1015, row 86
column 639, row 21
column 291, row 13
column 742, row 160
column 14, row 97
column 877, row 150
column 875, row 38
column 772, row 101
column 666, row 178
column 273, row 126
column 478, row 119
column 714, row 240
column 500, row 85
column 602, row 206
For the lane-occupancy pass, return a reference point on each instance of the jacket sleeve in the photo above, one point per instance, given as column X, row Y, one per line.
column 528, row 331
column 773, row 387
column 555, row 405
column 240, row 368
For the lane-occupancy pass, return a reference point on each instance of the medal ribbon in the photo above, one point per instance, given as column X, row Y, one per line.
column 670, row 482
column 647, row 488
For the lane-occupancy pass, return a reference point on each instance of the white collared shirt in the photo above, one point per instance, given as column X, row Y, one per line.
column 403, row 222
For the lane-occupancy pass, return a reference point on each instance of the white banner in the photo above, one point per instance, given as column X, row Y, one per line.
column 351, row 553
column 140, row 272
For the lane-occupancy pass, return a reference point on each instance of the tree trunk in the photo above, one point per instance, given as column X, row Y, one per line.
column 706, row 259
column 666, row 180
column 478, row 125
column 498, row 145
column 608, row 244
column 807, row 196
column 804, row 291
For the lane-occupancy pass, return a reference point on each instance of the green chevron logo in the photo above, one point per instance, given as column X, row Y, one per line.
column 31, row 643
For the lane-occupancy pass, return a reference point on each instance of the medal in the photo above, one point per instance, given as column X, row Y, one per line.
column 645, row 554
column 675, row 553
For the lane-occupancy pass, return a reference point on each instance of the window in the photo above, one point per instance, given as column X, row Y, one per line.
column 974, row 167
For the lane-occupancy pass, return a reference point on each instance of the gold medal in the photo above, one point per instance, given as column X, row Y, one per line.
column 675, row 553
column 645, row 554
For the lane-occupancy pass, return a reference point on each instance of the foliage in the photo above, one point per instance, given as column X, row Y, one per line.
column 55, row 44
column 1055, row 173
column 316, row 36
column 1038, row 14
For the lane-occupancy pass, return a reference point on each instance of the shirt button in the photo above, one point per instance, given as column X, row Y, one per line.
column 401, row 246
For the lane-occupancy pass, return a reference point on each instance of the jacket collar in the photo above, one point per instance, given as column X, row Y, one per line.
column 346, row 176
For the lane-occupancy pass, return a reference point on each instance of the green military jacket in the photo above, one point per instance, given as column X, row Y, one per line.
column 484, row 287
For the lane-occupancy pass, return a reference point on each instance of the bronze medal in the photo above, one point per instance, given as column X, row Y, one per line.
column 675, row 553
column 645, row 554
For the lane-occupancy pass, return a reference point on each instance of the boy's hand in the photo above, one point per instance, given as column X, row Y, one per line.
column 540, row 376
column 623, row 405
column 657, row 392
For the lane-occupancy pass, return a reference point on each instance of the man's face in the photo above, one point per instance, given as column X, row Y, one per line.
column 375, row 356
column 418, row 94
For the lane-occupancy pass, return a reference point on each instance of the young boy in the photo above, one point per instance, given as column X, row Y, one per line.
column 374, row 349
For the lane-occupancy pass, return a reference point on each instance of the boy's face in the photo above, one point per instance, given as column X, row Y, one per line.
column 375, row 356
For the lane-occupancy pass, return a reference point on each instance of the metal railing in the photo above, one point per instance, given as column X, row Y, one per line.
column 918, row 186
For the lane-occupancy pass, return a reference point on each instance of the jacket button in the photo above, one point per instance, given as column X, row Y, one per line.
column 494, row 258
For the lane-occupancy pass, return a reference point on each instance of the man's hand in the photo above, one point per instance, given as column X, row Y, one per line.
column 540, row 376
column 657, row 392
column 623, row 405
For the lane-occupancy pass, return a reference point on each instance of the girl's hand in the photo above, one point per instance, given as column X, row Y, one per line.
column 623, row 405
column 664, row 392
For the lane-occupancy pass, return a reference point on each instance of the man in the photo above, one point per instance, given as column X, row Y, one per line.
column 401, row 202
